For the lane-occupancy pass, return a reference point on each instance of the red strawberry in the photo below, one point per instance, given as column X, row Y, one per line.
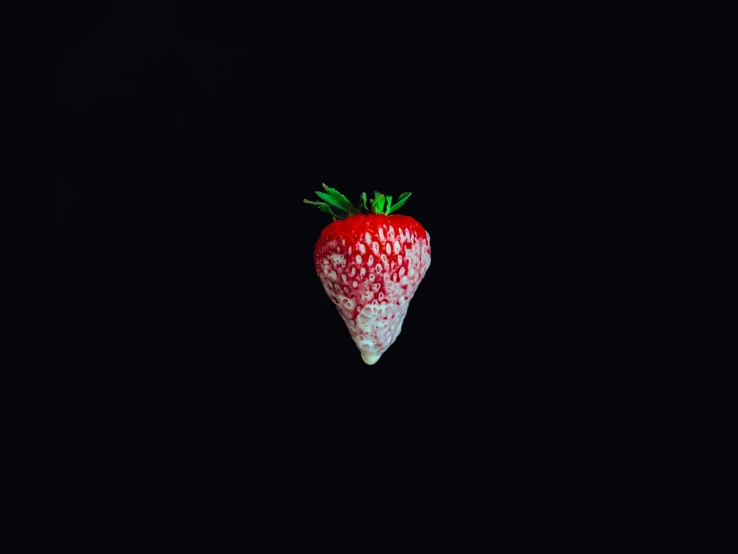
column 370, row 262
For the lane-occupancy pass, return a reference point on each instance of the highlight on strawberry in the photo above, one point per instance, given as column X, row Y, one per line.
column 370, row 261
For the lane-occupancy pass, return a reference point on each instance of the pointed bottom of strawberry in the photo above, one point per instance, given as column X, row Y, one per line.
column 370, row 358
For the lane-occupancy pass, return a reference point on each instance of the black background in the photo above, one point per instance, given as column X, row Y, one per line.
column 188, row 138
column 186, row 298
column 191, row 335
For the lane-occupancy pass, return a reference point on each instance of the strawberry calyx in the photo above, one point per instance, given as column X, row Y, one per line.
column 338, row 206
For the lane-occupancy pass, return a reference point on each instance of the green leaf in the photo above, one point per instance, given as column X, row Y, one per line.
column 341, row 201
column 378, row 202
column 323, row 207
column 332, row 201
column 339, row 207
column 400, row 201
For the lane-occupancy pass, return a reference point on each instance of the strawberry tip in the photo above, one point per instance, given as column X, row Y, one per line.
column 370, row 358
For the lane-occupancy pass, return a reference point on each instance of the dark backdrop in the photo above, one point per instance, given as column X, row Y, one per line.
column 186, row 139
column 193, row 339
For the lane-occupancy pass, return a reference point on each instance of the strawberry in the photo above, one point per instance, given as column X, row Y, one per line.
column 370, row 261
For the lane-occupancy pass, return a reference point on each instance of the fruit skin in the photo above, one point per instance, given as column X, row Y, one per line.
column 370, row 266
